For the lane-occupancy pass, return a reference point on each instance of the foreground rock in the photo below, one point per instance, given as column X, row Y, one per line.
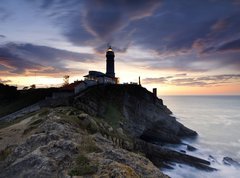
column 57, row 144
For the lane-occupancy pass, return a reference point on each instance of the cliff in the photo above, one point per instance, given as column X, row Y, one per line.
column 106, row 131
column 135, row 109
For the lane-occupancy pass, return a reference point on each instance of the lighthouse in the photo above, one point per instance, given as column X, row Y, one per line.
column 110, row 63
column 97, row 77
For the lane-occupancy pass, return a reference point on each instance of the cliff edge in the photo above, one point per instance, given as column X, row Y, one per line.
column 106, row 131
column 136, row 110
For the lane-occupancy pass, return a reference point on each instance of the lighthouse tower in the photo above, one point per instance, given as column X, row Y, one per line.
column 110, row 62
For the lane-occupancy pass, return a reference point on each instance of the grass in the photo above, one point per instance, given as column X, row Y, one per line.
column 73, row 120
column 113, row 116
column 83, row 167
column 88, row 145
column 4, row 153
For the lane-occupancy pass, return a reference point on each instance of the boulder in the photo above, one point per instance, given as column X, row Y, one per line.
column 231, row 162
column 191, row 148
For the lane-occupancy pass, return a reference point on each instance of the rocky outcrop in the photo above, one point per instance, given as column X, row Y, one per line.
column 142, row 115
column 231, row 162
column 64, row 142
column 162, row 157
column 107, row 131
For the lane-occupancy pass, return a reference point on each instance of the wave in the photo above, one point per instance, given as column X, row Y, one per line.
column 214, row 156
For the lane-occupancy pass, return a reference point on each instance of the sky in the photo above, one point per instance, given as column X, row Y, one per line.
column 181, row 47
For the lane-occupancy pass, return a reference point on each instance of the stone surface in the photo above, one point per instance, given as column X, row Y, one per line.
column 231, row 162
column 51, row 149
column 113, row 126
column 191, row 148
column 142, row 114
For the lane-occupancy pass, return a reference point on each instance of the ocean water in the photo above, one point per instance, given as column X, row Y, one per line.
column 217, row 121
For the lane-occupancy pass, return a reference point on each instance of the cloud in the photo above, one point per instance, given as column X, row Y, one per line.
column 181, row 75
column 95, row 22
column 24, row 58
column 2, row 36
column 182, row 35
column 103, row 18
column 4, row 14
column 212, row 80
column 232, row 45
column 4, row 81
column 164, row 26
column 159, row 80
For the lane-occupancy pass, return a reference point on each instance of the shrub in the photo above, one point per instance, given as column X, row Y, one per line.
column 83, row 167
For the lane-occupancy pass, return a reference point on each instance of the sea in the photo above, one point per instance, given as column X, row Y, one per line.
column 216, row 119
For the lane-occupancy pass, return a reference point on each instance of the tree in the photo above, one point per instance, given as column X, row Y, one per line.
column 66, row 80
column 33, row 86
column 8, row 92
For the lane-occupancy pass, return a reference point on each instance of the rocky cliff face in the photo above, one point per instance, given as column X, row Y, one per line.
column 65, row 142
column 135, row 109
column 107, row 131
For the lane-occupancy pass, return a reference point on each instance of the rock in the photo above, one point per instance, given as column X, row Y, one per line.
column 120, row 131
column 182, row 151
column 86, row 122
column 212, row 159
column 191, row 148
column 120, row 123
column 52, row 147
column 115, row 169
column 69, row 113
column 53, row 153
column 110, row 129
column 231, row 162
column 121, row 163
column 83, row 116
column 158, row 154
column 142, row 114
column 93, row 127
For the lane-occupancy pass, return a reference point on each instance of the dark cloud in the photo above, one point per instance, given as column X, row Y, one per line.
column 183, row 35
column 164, row 26
column 4, row 14
column 95, row 22
column 233, row 45
column 213, row 80
column 48, row 54
column 224, row 77
column 20, row 58
column 2, row 36
column 222, row 31
column 103, row 18
column 181, row 75
column 16, row 64
column 160, row 80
